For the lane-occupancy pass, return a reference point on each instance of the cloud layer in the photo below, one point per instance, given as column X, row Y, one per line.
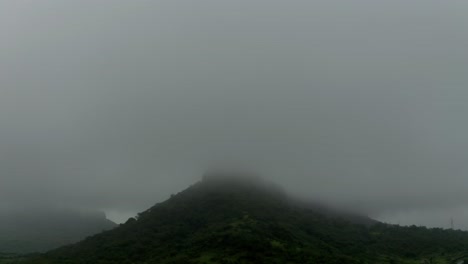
column 116, row 104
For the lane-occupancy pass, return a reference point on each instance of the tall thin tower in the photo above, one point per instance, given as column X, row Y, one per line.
column 451, row 223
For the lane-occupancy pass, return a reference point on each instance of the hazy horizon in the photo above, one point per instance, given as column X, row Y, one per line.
column 114, row 105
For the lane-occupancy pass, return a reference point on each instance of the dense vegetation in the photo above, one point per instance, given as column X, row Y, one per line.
column 249, row 222
column 28, row 230
column 6, row 258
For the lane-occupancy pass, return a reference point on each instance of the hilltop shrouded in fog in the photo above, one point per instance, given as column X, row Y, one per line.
column 226, row 219
column 113, row 105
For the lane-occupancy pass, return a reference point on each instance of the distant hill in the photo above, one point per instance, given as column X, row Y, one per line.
column 230, row 220
column 29, row 230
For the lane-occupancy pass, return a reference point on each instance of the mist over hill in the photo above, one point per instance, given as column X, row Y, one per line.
column 360, row 102
column 38, row 229
column 356, row 110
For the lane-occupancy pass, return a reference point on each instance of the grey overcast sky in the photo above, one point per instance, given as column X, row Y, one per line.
column 114, row 105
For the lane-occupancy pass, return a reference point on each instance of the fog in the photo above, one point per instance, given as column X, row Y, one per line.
column 114, row 105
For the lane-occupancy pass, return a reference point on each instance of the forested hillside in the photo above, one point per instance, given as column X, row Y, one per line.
column 253, row 222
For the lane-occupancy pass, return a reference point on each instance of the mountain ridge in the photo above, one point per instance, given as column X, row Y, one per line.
column 228, row 220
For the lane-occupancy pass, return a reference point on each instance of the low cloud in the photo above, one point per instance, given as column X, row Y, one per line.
column 114, row 105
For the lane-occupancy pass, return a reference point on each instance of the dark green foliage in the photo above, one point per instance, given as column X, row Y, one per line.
column 8, row 258
column 239, row 222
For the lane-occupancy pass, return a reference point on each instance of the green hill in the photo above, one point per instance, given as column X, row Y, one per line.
column 249, row 221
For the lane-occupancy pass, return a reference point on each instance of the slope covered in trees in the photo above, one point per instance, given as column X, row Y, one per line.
column 249, row 221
